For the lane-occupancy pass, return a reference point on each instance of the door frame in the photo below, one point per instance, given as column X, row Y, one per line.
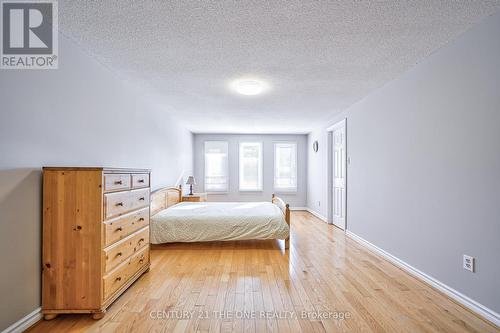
column 341, row 123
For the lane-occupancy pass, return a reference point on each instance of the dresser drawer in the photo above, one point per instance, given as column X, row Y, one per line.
column 116, row 182
column 122, row 226
column 120, row 251
column 119, row 203
column 119, row 276
column 140, row 180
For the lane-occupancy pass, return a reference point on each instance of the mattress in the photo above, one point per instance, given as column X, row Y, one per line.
column 218, row 221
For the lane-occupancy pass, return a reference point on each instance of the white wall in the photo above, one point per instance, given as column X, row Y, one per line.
column 424, row 178
column 80, row 115
column 295, row 200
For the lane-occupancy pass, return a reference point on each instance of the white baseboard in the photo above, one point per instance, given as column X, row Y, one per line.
column 298, row 208
column 307, row 209
column 318, row 215
column 469, row 303
column 24, row 323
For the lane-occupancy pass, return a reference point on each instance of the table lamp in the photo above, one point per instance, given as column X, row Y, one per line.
column 191, row 181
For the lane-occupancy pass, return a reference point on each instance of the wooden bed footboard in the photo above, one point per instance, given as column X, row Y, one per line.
column 285, row 208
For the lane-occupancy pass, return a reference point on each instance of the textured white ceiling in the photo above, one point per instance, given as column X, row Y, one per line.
column 319, row 57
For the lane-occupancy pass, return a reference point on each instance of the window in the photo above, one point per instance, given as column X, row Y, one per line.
column 250, row 166
column 216, row 167
column 285, row 167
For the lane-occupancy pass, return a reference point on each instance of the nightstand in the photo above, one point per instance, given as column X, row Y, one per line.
column 196, row 197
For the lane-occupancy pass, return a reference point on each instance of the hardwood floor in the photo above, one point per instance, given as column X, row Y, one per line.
column 212, row 287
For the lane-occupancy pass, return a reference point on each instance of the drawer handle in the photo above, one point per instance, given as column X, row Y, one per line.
column 118, row 278
column 118, row 182
column 119, row 254
column 141, row 219
column 141, row 261
column 119, row 204
column 141, row 198
column 141, row 240
column 140, row 181
column 119, row 229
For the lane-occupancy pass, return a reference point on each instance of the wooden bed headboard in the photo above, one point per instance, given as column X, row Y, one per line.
column 164, row 198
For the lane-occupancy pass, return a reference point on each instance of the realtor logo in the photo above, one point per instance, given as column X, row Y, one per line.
column 29, row 35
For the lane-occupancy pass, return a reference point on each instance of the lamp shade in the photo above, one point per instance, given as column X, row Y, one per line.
column 191, row 181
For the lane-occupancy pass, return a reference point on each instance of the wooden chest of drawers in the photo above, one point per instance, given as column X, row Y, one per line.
column 95, row 237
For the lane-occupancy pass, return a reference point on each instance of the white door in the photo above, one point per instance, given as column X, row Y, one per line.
column 339, row 174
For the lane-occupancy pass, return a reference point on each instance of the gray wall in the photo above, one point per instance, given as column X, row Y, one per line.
column 81, row 115
column 295, row 200
column 424, row 178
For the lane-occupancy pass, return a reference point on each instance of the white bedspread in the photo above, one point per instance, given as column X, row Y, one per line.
column 218, row 221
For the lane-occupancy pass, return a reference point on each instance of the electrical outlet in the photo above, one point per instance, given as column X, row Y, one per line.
column 468, row 263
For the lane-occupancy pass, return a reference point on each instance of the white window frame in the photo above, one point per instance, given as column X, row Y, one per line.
column 285, row 189
column 226, row 190
column 260, row 187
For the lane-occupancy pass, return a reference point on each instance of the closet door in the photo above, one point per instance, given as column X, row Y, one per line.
column 339, row 175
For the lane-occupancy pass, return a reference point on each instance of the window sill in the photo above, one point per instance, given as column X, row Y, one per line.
column 289, row 192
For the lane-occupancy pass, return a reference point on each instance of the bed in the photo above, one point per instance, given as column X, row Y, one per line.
column 175, row 221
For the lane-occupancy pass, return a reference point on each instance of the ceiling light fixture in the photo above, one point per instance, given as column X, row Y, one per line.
column 249, row 87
